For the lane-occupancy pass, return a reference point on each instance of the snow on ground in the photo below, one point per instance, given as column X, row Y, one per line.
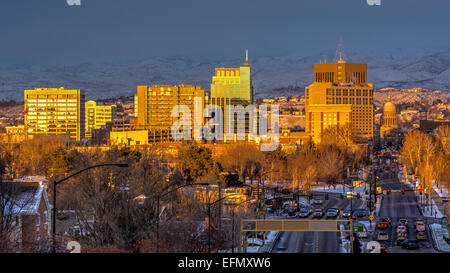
column 323, row 187
column 434, row 212
column 438, row 232
column 344, row 241
column 443, row 193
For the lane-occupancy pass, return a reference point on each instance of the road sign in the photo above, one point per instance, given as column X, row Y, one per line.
column 396, row 190
column 379, row 190
column 384, row 192
column 358, row 228
column 356, row 183
column 371, row 217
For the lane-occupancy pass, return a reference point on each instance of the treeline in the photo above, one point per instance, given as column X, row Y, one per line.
column 9, row 103
column 112, row 218
column 428, row 157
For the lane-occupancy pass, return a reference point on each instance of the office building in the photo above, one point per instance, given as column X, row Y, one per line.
column 154, row 104
column 339, row 96
column 232, row 87
column 96, row 116
column 55, row 111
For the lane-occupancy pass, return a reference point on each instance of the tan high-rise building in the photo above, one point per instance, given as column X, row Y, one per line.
column 339, row 96
column 55, row 111
column 232, row 86
column 154, row 104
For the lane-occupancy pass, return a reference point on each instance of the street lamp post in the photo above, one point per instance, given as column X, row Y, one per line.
column 232, row 223
column 121, row 165
column 158, row 197
column 209, row 217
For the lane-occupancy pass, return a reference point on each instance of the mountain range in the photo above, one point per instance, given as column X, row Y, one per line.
column 271, row 76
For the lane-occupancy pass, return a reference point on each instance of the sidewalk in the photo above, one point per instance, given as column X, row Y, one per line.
column 438, row 234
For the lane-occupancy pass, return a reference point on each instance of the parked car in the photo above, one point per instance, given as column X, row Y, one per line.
column 318, row 213
column 332, row 212
column 382, row 236
column 347, row 213
column 410, row 244
column 421, row 235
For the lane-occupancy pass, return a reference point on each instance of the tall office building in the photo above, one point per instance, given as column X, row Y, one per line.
column 55, row 111
column 232, row 86
column 96, row 116
column 154, row 104
column 339, row 96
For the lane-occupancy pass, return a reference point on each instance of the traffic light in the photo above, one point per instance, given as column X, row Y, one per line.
column 403, row 191
column 420, row 190
column 358, row 196
column 342, row 196
column 369, row 204
column 388, row 191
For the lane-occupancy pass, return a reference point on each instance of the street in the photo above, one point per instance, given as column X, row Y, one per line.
column 395, row 205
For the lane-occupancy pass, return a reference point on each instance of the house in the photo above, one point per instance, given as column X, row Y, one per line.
column 26, row 215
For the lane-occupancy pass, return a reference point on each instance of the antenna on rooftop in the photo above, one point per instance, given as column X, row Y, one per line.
column 340, row 53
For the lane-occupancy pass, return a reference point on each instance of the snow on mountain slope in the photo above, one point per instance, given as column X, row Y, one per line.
column 272, row 76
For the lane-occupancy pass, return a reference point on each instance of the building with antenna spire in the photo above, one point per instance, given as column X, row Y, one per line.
column 232, row 86
column 339, row 96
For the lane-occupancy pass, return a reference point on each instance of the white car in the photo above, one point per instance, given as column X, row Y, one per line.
column 317, row 201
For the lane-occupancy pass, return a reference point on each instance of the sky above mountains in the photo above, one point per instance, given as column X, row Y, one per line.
column 50, row 32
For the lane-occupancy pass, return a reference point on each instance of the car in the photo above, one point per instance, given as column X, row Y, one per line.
column 318, row 213
column 420, row 227
column 420, row 221
column 401, row 228
column 383, row 225
column 317, row 201
column 410, row 244
column 347, row 213
column 401, row 237
column 332, row 212
column 361, row 212
column 403, row 221
column 382, row 236
column 421, row 236
column 303, row 213
column 387, row 220
column 337, row 210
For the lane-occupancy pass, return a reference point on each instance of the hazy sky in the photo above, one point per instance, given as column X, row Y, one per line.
column 50, row 31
